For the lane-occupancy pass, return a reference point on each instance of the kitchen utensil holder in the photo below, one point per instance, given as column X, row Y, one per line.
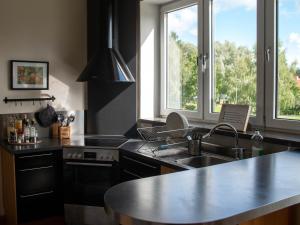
column 65, row 132
column 55, row 130
column 194, row 147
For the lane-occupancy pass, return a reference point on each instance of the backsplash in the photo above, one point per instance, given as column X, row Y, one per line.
column 77, row 127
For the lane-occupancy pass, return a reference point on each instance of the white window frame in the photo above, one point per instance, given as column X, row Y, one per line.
column 271, row 73
column 208, row 76
column 164, row 110
column 266, row 70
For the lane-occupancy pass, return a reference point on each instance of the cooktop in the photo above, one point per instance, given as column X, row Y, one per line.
column 104, row 141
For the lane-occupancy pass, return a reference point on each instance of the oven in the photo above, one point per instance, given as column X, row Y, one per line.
column 88, row 173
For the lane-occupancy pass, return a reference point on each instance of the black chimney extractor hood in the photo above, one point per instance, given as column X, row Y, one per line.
column 107, row 63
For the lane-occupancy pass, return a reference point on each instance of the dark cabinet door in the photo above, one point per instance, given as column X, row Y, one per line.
column 39, row 185
column 36, row 181
column 133, row 167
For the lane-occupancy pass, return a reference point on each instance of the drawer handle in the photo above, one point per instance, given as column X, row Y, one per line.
column 132, row 174
column 37, row 194
column 33, row 156
column 89, row 164
column 145, row 164
column 38, row 168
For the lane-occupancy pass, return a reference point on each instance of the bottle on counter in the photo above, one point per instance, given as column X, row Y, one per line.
column 33, row 132
column 257, row 144
column 26, row 131
column 19, row 125
column 11, row 129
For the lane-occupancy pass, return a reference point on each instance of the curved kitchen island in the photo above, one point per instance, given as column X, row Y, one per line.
column 230, row 193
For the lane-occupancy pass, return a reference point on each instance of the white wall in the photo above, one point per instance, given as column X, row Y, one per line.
column 150, row 60
column 47, row 30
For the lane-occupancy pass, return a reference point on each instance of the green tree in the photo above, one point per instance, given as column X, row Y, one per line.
column 235, row 76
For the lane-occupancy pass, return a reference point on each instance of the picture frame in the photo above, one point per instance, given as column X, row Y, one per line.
column 29, row 75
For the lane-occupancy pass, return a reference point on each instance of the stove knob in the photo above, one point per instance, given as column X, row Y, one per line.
column 79, row 156
column 74, row 155
column 69, row 155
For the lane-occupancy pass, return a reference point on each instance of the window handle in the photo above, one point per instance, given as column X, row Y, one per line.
column 203, row 58
column 268, row 54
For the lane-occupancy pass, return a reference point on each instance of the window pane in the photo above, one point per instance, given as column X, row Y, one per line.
column 234, row 45
column 288, row 60
column 182, row 52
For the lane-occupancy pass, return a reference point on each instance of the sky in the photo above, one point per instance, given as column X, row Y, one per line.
column 235, row 21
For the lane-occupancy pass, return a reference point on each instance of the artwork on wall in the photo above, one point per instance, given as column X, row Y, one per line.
column 29, row 75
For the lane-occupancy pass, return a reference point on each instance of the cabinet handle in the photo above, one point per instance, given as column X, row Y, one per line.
column 145, row 164
column 132, row 174
column 37, row 168
column 33, row 156
column 89, row 164
column 37, row 194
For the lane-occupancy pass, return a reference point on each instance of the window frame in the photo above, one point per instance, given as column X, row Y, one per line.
column 266, row 86
column 209, row 76
column 271, row 67
column 164, row 110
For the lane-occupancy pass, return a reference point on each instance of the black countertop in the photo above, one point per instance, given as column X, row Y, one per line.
column 47, row 144
column 228, row 193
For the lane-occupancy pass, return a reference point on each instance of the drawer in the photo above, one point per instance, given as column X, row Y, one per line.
column 137, row 167
column 40, row 206
column 36, row 160
column 35, row 182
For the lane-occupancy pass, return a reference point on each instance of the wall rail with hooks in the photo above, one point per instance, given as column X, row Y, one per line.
column 7, row 100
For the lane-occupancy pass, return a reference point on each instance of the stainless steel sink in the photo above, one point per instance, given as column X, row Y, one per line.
column 201, row 161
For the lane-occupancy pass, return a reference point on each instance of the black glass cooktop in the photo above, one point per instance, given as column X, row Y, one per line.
column 104, row 141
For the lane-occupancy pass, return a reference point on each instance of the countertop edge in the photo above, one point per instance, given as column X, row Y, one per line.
column 244, row 216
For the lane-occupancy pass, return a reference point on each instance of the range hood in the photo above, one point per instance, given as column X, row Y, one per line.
column 107, row 63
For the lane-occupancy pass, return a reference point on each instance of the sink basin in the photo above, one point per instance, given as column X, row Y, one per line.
column 201, row 161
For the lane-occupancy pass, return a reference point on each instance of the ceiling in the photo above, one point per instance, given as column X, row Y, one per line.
column 158, row 2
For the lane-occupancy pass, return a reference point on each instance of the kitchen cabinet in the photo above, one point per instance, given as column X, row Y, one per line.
column 34, row 184
column 167, row 170
column 136, row 167
column 281, row 217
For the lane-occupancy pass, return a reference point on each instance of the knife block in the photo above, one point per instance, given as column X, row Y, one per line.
column 65, row 132
column 55, row 130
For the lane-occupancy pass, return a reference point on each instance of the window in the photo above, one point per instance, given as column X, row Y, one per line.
column 182, row 52
column 228, row 51
column 234, row 53
column 288, row 60
column 282, row 64
column 181, row 86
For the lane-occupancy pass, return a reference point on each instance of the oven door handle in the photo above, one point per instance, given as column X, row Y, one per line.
column 88, row 164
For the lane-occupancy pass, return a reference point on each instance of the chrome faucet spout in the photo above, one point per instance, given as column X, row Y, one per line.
column 236, row 139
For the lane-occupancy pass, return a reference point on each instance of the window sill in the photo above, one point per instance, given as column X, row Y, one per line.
column 271, row 136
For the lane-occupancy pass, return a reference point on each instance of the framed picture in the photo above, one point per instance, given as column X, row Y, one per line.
column 29, row 75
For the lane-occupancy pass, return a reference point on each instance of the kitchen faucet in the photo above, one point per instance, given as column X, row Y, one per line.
column 239, row 154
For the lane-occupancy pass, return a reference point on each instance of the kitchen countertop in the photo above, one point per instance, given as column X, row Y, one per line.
column 47, row 144
column 228, row 193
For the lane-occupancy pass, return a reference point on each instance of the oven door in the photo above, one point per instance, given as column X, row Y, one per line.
column 85, row 182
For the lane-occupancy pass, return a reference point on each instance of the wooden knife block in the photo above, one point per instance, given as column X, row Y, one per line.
column 65, row 132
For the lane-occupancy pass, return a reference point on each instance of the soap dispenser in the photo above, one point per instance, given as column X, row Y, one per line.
column 257, row 144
